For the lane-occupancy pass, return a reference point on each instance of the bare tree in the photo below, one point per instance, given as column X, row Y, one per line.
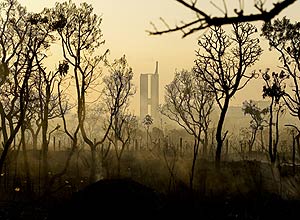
column 72, row 133
column 20, row 42
column 222, row 62
column 118, row 89
column 230, row 15
column 122, row 131
column 80, row 34
column 43, row 81
column 12, row 21
column 189, row 103
column 48, row 108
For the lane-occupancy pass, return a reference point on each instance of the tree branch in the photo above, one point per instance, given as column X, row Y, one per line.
column 204, row 20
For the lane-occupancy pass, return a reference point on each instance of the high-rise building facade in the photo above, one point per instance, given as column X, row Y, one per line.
column 149, row 95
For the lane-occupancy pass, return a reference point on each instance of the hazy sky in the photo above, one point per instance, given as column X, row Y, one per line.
column 124, row 27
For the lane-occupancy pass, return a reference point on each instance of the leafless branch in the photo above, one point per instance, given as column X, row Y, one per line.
column 203, row 20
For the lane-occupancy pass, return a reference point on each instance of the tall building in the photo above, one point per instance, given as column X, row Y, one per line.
column 149, row 95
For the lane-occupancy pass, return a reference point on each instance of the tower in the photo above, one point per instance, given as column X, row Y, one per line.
column 149, row 95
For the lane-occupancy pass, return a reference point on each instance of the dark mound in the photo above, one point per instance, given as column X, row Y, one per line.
column 112, row 198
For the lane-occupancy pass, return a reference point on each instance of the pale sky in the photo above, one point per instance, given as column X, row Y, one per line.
column 124, row 28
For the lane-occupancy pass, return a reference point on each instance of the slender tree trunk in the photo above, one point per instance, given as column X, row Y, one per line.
column 252, row 140
column 25, row 157
column 118, row 167
column 212, row 145
column 92, row 177
column 195, row 155
column 34, row 136
column 3, row 125
column 45, row 142
column 294, row 154
column 6, row 147
column 271, row 132
column 275, row 146
column 58, row 176
column 262, row 140
column 104, row 155
column 219, row 136
column 23, row 96
column 34, row 141
column 118, row 157
column 205, row 143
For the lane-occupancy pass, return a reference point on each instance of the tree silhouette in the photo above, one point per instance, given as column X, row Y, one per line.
column 274, row 89
column 22, row 39
column 222, row 62
column 189, row 104
column 147, row 122
column 203, row 19
column 41, row 32
column 284, row 37
column 257, row 119
column 48, row 106
column 80, row 35
column 12, row 65
column 118, row 89
column 122, row 132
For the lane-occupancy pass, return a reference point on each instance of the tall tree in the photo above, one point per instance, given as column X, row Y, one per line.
column 284, row 37
column 48, row 108
column 222, row 62
column 274, row 89
column 80, row 34
column 118, row 89
column 44, row 81
column 189, row 104
column 20, row 43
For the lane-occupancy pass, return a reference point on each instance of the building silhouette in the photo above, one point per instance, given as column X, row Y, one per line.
column 149, row 95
